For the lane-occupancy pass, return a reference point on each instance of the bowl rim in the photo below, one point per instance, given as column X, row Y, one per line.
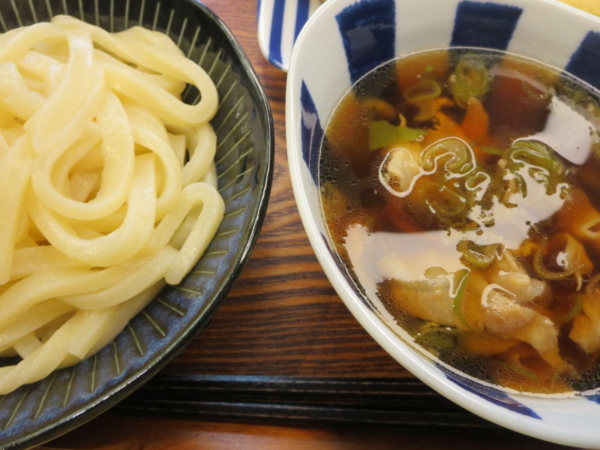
column 127, row 386
column 401, row 351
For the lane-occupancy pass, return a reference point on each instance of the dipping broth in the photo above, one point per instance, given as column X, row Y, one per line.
column 461, row 189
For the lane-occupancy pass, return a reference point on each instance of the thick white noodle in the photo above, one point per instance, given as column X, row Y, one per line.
column 107, row 186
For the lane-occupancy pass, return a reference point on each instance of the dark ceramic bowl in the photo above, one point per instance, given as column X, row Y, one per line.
column 41, row 411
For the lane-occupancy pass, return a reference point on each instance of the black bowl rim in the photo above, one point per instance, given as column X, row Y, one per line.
column 127, row 386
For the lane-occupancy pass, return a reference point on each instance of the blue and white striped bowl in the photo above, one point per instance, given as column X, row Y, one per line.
column 345, row 39
column 279, row 24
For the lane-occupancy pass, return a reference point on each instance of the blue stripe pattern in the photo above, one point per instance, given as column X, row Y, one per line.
column 276, row 32
column 301, row 16
column 593, row 398
column 368, row 30
column 312, row 132
column 488, row 25
column 585, row 62
column 492, row 395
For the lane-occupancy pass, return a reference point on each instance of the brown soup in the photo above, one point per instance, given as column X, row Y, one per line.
column 461, row 189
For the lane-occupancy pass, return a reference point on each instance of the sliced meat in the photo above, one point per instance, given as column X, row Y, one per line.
column 401, row 168
column 502, row 316
column 580, row 219
column 586, row 326
column 585, row 334
column 542, row 334
column 510, row 275
column 428, row 299
column 505, row 318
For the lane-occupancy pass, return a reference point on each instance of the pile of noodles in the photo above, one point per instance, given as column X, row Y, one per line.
column 107, row 186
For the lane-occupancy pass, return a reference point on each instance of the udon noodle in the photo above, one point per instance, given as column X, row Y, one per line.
column 107, row 186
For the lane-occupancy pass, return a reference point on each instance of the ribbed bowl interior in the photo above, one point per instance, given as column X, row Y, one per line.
column 69, row 397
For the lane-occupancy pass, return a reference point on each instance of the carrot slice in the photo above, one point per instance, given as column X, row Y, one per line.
column 476, row 123
column 446, row 127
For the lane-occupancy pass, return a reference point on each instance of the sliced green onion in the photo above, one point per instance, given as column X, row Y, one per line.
column 477, row 186
column 476, row 180
column 445, row 201
column 478, row 256
column 542, row 271
column 540, row 159
column 521, row 184
column 515, row 184
column 492, row 150
column 521, row 370
column 575, row 310
column 426, row 89
column 427, row 109
column 460, row 157
column 536, row 154
column 436, row 338
column 471, row 69
column 471, row 79
column 461, row 93
column 461, row 278
column 593, row 105
column 384, row 134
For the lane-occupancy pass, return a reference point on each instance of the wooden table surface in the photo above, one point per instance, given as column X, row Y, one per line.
column 282, row 319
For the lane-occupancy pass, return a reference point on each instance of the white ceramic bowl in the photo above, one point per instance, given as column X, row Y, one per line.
column 345, row 39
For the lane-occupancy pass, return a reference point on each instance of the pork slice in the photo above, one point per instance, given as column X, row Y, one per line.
column 510, row 275
column 428, row 299
column 586, row 326
column 503, row 317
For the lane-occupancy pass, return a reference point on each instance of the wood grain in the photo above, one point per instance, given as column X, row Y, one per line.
column 126, row 433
